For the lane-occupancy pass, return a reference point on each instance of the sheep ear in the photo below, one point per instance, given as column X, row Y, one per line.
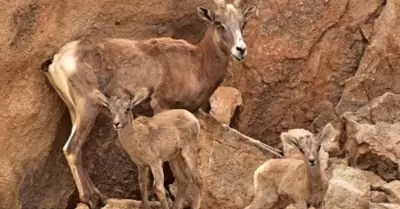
column 327, row 133
column 205, row 14
column 100, row 98
column 248, row 12
column 287, row 138
column 140, row 96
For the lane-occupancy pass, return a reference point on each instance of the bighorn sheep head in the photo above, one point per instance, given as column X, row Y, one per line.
column 229, row 21
column 308, row 144
column 121, row 107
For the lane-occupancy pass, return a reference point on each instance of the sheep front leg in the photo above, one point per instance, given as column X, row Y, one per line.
column 158, row 174
column 143, row 182
column 189, row 156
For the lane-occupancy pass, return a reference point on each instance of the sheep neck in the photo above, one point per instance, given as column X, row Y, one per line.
column 127, row 130
column 214, row 59
column 315, row 183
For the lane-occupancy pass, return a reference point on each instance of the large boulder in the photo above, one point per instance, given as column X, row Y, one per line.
column 377, row 71
column 348, row 189
column 227, row 163
column 374, row 179
column 392, row 190
column 302, row 53
column 224, row 103
column 372, row 133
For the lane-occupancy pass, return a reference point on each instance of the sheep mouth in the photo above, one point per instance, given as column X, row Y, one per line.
column 118, row 128
column 239, row 59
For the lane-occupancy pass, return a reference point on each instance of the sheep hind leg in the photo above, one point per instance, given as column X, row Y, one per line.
column 84, row 116
column 189, row 156
column 178, row 169
column 265, row 196
column 158, row 174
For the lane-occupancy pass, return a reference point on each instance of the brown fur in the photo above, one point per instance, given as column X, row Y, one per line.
column 179, row 76
column 172, row 135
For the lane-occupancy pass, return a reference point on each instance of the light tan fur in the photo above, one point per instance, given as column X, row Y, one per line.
column 280, row 182
column 172, row 135
column 178, row 74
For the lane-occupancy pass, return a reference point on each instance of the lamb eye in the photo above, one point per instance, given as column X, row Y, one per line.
column 127, row 111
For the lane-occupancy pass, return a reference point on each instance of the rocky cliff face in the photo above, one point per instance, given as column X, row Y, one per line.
column 309, row 63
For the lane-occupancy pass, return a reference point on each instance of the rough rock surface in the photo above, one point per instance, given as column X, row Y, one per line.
column 373, row 179
column 348, row 188
column 309, row 62
column 384, row 206
column 373, row 135
column 303, row 52
column 378, row 197
column 224, row 102
column 392, row 190
column 227, row 159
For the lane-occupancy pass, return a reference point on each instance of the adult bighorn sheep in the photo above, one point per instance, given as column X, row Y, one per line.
column 178, row 74
column 280, row 182
column 171, row 135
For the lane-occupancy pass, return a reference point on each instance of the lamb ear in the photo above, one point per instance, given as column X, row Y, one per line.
column 140, row 96
column 327, row 133
column 100, row 98
column 287, row 138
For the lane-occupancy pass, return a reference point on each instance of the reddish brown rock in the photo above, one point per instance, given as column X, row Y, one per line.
column 376, row 72
column 303, row 51
column 224, row 103
column 226, row 160
column 35, row 123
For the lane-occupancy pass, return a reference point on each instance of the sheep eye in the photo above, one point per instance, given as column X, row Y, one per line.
column 244, row 25
column 127, row 111
column 301, row 150
column 220, row 25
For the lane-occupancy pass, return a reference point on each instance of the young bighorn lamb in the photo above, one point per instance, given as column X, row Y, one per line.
column 180, row 76
column 172, row 135
column 280, row 182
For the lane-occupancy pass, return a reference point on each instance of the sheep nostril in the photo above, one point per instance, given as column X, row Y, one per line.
column 241, row 50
